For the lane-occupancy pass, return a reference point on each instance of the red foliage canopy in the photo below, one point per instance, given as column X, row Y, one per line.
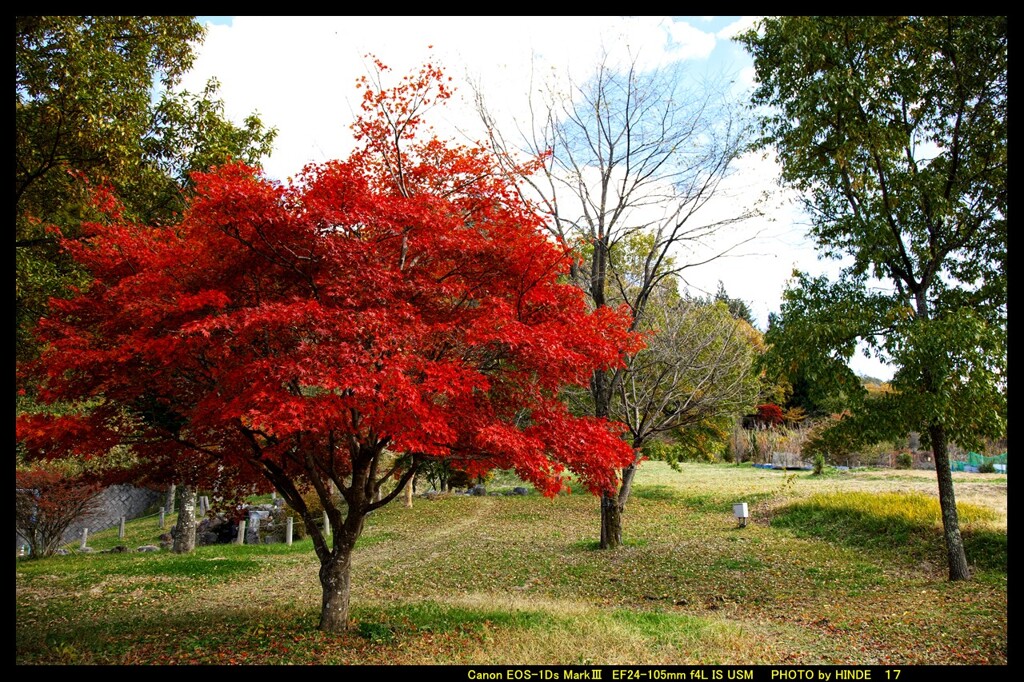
column 404, row 299
column 770, row 414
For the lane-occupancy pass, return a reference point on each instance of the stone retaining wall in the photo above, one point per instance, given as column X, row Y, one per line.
column 114, row 502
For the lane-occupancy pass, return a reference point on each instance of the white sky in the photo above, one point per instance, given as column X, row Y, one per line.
column 299, row 74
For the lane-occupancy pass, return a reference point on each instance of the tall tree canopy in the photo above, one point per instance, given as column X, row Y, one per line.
column 95, row 105
column 894, row 129
column 404, row 299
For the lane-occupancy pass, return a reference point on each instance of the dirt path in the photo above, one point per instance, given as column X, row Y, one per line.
column 421, row 546
column 296, row 578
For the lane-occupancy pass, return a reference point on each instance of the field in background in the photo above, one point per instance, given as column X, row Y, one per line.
column 845, row 568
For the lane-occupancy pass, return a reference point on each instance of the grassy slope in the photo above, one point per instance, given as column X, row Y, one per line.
column 517, row 580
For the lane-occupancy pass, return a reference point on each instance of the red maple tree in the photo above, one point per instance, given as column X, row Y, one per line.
column 770, row 414
column 401, row 301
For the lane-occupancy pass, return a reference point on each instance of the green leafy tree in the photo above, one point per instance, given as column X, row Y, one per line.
column 894, row 129
column 95, row 107
column 738, row 308
column 818, row 391
column 696, row 374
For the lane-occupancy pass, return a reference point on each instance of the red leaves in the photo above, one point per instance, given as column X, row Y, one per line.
column 47, row 502
column 53, row 490
column 403, row 296
column 769, row 414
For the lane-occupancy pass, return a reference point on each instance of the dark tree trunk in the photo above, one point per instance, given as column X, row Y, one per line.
column 336, row 561
column 956, row 557
column 611, row 522
column 958, row 569
column 185, row 529
column 335, row 582
column 335, row 569
column 611, row 508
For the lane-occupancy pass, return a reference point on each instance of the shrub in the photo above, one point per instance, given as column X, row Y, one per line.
column 675, row 452
column 770, row 414
column 438, row 474
column 880, row 453
column 792, row 438
column 738, row 447
column 460, row 479
column 445, row 476
column 763, row 442
column 819, row 464
column 904, row 460
column 987, row 467
column 832, row 443
column 46, row 503
column 794, row 416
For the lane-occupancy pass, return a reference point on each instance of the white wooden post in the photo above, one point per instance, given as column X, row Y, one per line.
column 85, row 537
column 241, row 532
column 120, row 529
column 288, row 531
column 161, row 518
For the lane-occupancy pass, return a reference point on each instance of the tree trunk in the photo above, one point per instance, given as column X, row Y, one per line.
column 956, row 557
column 611, row 510
column 626, row 487
column 611, row 522
column 185, row 529
column 958, row 569
column 335, row 581
column 169, row 504
column 408, row 493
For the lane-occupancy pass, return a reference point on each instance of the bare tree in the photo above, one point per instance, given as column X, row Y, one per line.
column 630, row 151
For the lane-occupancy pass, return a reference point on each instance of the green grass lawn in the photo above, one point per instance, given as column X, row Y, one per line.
column 845, row 568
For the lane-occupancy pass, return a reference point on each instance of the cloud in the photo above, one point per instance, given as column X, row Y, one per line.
column 739, row 26
column 690, row 42
column 299, row 74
